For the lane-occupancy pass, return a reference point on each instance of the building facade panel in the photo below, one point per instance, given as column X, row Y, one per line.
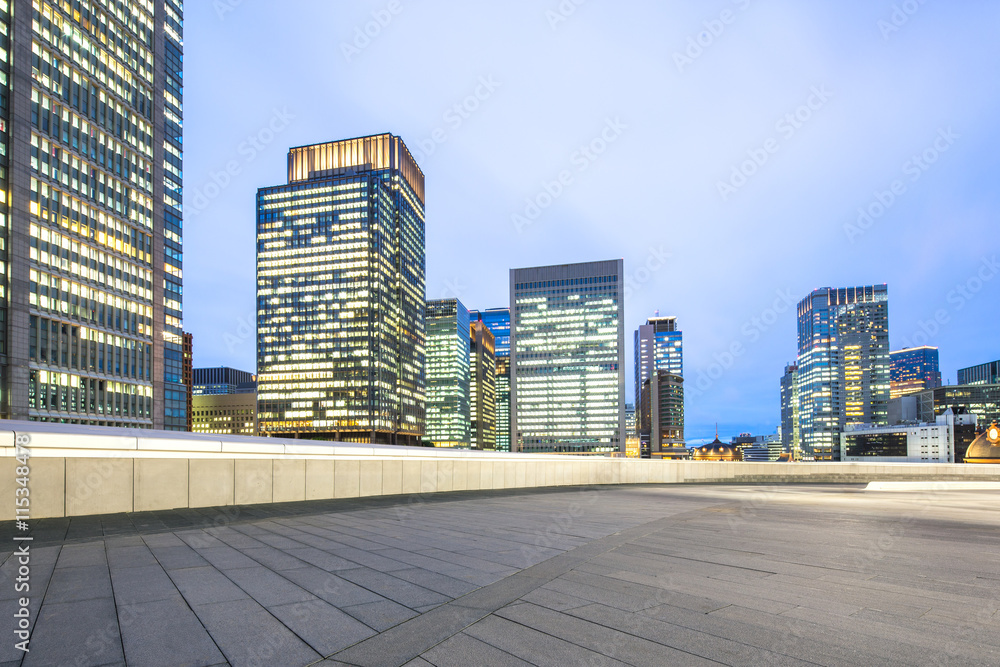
column 567, row 358
column 340, row 295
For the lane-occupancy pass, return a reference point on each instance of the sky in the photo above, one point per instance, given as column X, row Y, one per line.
column 736, row 153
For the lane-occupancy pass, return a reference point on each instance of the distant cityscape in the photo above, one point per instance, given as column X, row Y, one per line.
column 349, row 348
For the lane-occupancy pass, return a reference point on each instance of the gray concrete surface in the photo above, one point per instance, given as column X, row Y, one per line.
column 638, row 575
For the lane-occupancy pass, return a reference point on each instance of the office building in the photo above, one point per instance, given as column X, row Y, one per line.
column 760, row 448
column 661, row 419
column 482, row 387
column 988, row 373
column 223, row 380
column 982, row 400
column 913, row 370
column 843, row 365
column 498, row 322
column 568, row 358
column 90, row 221
column 225, row 414
column 932, row 442
column 790, row 435
column 659, row 345
column 340, row 295
column 448, row 373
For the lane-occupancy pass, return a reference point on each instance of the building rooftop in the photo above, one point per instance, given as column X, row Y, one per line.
column 648, row 575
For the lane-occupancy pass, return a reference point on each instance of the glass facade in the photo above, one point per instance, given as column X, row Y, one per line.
column 340, row 295
column 791, row 438
column 659, row 346
column 661, row 413
column 222, row 380
column 91, row 226
column 982, row 400
column 567, row 358
column 448, row 374
column 482, row 386
column 497, row 321
column 843, row 362
column 988, row 373
column 913, row 370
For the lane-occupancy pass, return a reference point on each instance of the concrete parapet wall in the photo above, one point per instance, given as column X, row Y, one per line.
column 76, row 471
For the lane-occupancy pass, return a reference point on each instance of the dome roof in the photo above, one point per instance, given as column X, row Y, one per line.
column 985, row 448
column 717, row 451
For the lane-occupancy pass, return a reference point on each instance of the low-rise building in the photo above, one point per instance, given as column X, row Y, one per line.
column 226, row 414
column 906, row 443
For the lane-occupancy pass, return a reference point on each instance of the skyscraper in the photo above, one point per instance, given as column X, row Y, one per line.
column 791, row 439
column 448, row 409
column 988, row 373
column 843, row 362
column 482, row 386
column 90, row 224
column 568, row 358
column 498, row 322
column 661, row 418
column 340, row 294
column 912, row 370
column 659, row 345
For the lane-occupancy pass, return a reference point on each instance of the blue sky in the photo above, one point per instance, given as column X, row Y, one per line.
column 722, row 148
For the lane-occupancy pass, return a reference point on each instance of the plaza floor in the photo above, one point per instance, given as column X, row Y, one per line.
column 640, row 575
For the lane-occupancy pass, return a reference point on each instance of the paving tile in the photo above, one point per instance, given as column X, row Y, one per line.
column 178, row 557
column 130, row 556
column 324, row 627
column 226, row 558
column 133, row 585
column 529, row 644
column 381, row 615
column 166, row 633
column 267, row 587
column 388, row 586
column 274, row 559
column 338, row 592
column 249, row 635
column 83, row 633
column 205, row 585
column 463, row 650
column 82, row 555
column 69, row 584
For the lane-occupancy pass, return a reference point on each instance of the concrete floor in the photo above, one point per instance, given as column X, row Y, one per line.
column 648, row 575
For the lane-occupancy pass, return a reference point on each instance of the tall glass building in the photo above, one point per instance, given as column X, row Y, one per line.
column 568, row 358
column 988, row 373
column 912, row 370
column 661, row 415
column 843, row 362
column 482, row 386
column 498, row 322
column 90, row 213
column 659, row 346
column 791, row 438
column 340, row 295
column 448, row 409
